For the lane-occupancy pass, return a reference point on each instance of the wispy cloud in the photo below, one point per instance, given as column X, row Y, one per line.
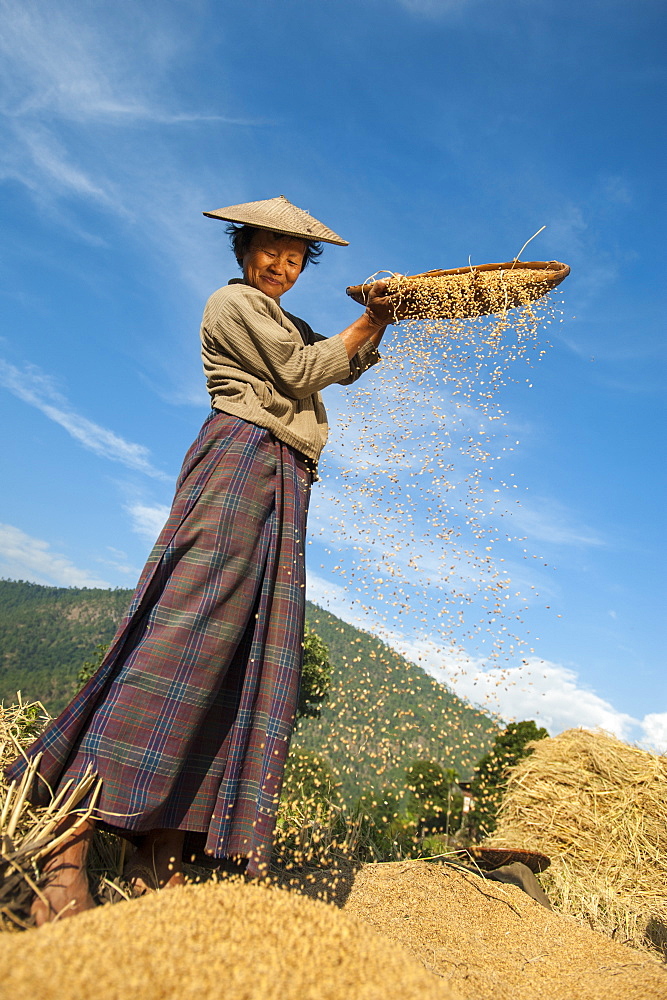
column 39, row 390
column 61, row 63
column 23, row 557
column 49, row 159
column 117, row 560
column 67, row 77
column 434, row 8
column 549, row 693
column 147, row 519
column 543, row 519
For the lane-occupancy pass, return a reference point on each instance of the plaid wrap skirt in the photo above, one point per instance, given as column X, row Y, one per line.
column 188, row 719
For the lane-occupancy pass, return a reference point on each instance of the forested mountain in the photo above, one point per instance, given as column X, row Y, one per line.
column 382, row 712
column 46, row 634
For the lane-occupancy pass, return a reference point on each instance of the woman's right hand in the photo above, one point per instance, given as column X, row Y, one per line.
column 380, row 307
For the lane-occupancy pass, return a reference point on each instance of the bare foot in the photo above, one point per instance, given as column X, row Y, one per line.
column 157, row 863
column 64, row 884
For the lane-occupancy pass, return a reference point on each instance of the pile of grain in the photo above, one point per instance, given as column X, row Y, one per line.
column 598, row 808
column 210, row 942
column 493, row 942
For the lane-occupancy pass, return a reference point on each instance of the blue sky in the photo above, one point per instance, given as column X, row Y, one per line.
column 425, row 132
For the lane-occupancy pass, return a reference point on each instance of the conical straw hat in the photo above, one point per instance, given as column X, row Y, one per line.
column 280, row 216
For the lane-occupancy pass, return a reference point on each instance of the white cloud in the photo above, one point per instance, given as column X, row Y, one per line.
column 547, row 692
column 25, row 558
column 655, row 730
column 538, row 689
column 37, row 389
column 148, row 520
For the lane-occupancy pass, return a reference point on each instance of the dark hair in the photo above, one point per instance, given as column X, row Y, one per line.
column 240, row 238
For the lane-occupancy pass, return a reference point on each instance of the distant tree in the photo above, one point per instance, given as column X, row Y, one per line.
column 427, row 783
column 431, row 798
column 491, row 772
column 316, row 676
column 90, row 667
column 309, row 778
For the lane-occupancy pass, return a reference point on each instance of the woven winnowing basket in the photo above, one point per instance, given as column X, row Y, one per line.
column 467, row 292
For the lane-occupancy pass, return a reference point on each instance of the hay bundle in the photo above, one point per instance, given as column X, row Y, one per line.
column 598, row 808
column 20, row 724
column 468, row 292
column 28, row 834
column 208, row 942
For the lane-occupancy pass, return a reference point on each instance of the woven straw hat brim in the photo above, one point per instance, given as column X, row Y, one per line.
column 279, row 216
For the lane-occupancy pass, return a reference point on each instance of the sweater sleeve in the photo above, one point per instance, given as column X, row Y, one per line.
column 247, row 332
column 365, row 358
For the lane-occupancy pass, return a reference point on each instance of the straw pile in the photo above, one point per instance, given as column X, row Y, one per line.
column 209, row 942
column 598, row 808
column 20, row 724
column 28, row 834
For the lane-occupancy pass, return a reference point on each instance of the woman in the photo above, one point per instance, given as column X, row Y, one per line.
column 188, row 719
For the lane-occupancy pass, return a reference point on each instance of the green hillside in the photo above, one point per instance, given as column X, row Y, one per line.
column 382, row 712
column 46, row 634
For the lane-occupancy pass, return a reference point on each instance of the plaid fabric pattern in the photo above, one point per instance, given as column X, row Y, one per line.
column 188, row 720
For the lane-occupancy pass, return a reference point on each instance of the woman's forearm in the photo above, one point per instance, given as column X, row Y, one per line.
column 363, row 330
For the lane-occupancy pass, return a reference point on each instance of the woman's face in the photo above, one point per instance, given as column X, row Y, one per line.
column 273, row 262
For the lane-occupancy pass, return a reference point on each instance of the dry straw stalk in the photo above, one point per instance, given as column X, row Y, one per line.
column 26, row 833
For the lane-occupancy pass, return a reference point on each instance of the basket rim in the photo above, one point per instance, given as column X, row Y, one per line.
column 495, row 857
